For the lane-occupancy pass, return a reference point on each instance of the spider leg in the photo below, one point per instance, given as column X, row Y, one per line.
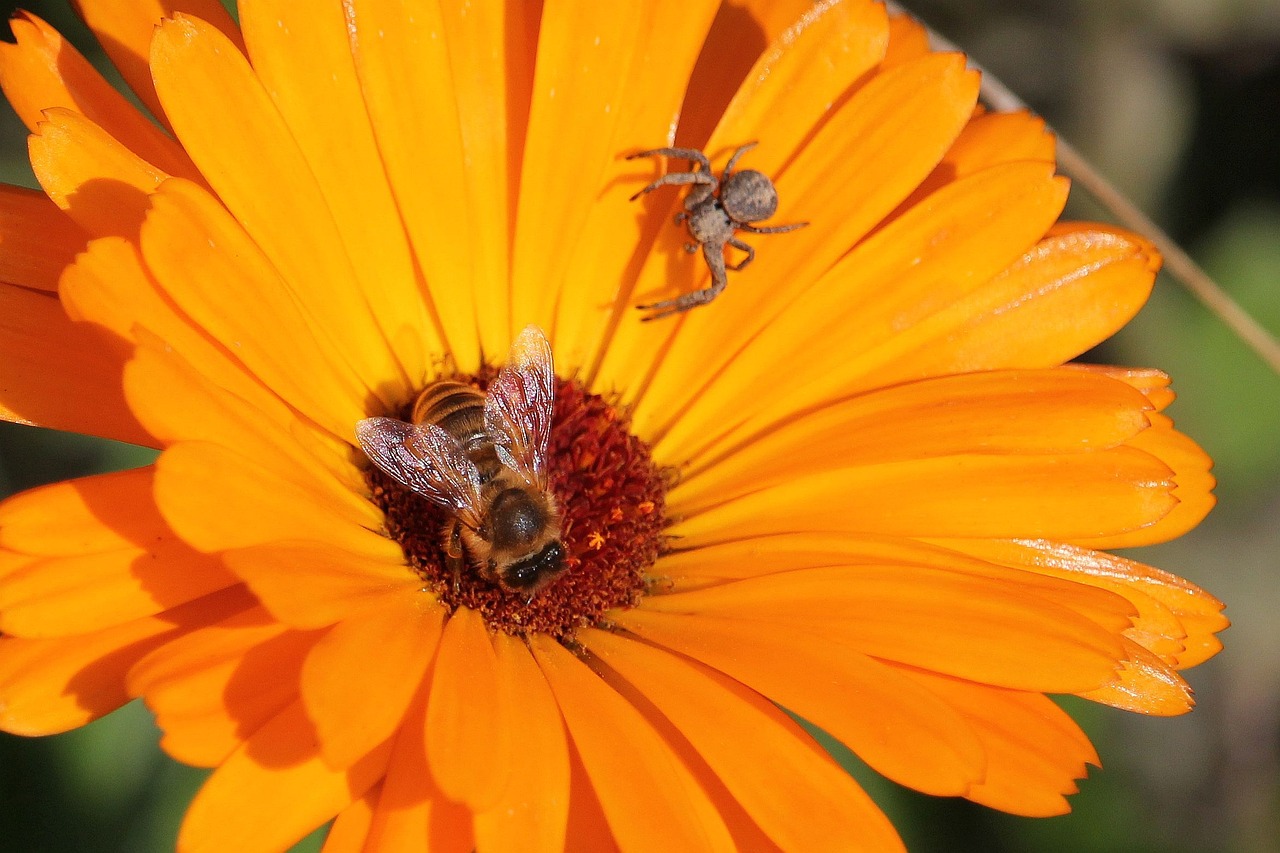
column 733, row 161
column 678, row 178
column 742, row 247
column 693, row 155
column 771, row 229
column 714, row 255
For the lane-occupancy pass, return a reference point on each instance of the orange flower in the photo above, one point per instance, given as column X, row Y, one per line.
column 860, row 484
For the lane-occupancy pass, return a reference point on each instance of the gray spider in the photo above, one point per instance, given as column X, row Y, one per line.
column 714, row 211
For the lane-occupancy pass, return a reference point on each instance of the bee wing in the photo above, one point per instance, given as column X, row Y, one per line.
column 517, row 410
column 427, row 460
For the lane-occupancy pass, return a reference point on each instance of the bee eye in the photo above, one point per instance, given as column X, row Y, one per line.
column 525, row 573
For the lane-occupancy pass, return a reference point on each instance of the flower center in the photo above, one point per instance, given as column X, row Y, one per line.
column 611, row 499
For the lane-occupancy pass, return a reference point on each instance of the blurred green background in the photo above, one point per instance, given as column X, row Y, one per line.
column 1177, row 101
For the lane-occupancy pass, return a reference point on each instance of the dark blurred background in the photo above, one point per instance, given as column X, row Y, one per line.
column 1178, row 102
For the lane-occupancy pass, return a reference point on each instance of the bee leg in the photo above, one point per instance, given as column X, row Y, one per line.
column 453, row 554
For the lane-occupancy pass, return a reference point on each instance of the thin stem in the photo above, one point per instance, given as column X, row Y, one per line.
column 1177, row 262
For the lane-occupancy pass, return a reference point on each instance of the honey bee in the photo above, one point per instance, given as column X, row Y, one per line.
column 483, row 457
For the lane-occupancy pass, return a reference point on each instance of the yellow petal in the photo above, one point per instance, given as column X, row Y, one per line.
column 78, row 594
column 648, row 796
column 273, row 790
column 801, row 798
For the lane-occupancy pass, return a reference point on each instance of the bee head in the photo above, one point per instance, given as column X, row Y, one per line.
column 531, row 572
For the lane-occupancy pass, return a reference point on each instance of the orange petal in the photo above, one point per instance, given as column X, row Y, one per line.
column 588, row 830
column 109, row 287
column 986, row 141
column 531, row 815
column 739, row 35
column 803, row 78
column 100, row 183
column 967, row 495
column 380, row 655
column 201, row 79
column 312, row 586
column 59, row 596
column 218, row 499
column 470, row 131
column 53, row 685
column 649, row 797
column 411, row 808
column 1069, row 293
column 89, row 515
column 1000, row 412
column 1035, row 752
column 908, row 40
column 124, row 29
column 37, row 240
column 1194, row 489
column 43, row 71
column 611, row 78
column 466, row 732
column 350, row 829
column 927, row 746
column 209, row 411
column 209, row 266
column 1154, row 384
column 303, row 57
column 783, row 780
column 60, row 374
column 1197, row 614
column 851, row 174
column 982, row 629
column 274, row 790
column 211, row 689
column 899, row 277
column 1145, row 685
